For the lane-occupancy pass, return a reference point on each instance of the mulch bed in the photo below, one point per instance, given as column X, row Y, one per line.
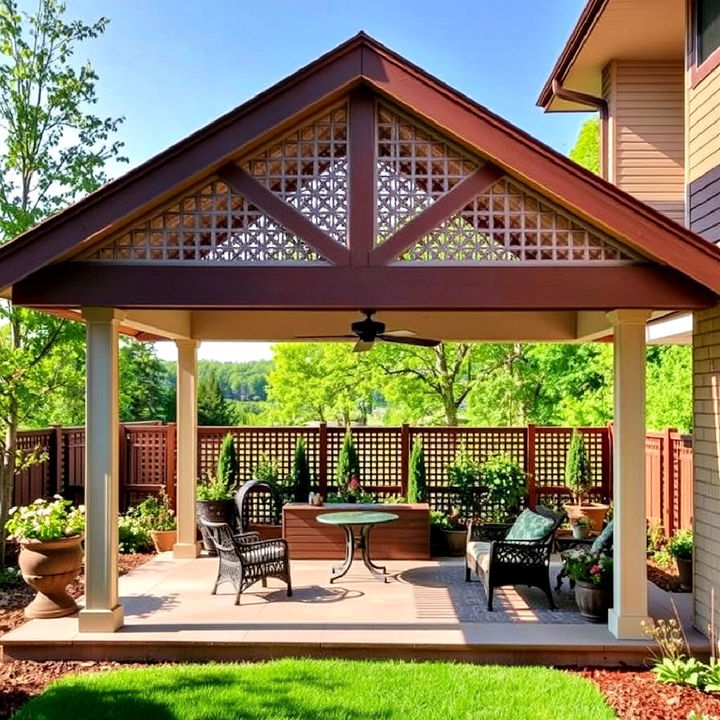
column 20, row 680
column 666, row 578
column 635, row 695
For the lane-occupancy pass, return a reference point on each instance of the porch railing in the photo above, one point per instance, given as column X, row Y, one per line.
column 147, row 460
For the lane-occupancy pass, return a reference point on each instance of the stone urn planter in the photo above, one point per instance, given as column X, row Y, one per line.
column 594, row 512
column 49, row 567
column 593, row 600
column 685, row 572
column 163, row 540
column 218, row 511
column 455, row 542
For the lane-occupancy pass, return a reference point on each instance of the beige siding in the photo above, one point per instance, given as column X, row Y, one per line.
column 646, row 136
column 706, row 558
column 703, row 122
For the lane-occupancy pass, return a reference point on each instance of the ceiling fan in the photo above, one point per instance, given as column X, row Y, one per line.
column 367, row 331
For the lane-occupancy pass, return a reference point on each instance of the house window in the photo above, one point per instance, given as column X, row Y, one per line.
column 707, row 29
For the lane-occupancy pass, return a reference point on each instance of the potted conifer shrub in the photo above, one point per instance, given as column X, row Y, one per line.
column 579, row 480
column 215, row 494
column 301, row 473
column 417, row 478
column 49, row 534
column 347, row 475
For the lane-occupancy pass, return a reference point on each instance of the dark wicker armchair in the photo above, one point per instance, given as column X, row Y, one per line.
column 243, row 558
column 498, row 562
column 258, row 501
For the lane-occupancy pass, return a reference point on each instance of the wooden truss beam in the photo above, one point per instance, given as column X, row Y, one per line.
column 443, row 208
column 290, row 218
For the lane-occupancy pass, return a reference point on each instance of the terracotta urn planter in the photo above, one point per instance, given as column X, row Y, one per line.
column 594, row 512
column 163, row 540
column 593, row 600
column 685, row 572
column 49, row 567
column 455, row 541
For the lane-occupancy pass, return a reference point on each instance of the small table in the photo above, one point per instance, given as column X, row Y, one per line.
column 364, row 522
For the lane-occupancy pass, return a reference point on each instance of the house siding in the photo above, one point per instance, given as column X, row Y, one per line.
column 704, row 205
column 646, row 132
column 703, row 123
column 706, row 394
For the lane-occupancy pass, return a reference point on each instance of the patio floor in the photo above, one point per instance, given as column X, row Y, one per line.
column 425, row 611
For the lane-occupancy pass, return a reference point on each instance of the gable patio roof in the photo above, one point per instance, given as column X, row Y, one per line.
column 28, row 264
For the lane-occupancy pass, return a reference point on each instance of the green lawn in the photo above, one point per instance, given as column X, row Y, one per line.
column 322, row 690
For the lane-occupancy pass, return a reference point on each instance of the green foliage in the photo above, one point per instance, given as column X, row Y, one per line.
column 680, row 544
column 679, row 671
column 464, row 475
column 267, row 470
column 329, row 689
column 301, row 479
column 581, row 564
column 586, row 151
column 134, row 535
column 147, row 389
column 212, row 408
column 46, row 520
column 228, row 468
column 417, row 480
column 662, row 558
column 155, row 512
column 505, row 484
column 578, row 471
column 439, row 519
column 669, row 387
column 10, row 577
column 348, row 464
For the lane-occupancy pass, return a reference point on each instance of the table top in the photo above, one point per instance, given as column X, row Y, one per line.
column 356, row 518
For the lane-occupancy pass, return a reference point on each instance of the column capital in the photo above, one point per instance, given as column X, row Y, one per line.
column 628, row 317
column 102, row 314
column 186, row 343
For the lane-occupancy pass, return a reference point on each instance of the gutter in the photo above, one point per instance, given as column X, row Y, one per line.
column 596, row 103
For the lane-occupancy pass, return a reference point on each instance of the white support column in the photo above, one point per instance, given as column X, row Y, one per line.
column 186, row 545
column 630, row 574
column 102, row 612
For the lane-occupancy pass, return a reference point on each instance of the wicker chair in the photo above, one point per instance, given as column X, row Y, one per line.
column 244, row 558
column 498, row 562
column 271, row 504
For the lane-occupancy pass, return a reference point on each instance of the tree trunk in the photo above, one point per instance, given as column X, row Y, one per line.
column 7, row 478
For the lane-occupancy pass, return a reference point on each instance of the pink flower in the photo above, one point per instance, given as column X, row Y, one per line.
column 595, row 570
column 354, row 483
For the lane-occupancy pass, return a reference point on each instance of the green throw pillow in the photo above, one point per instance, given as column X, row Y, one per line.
column 529, row 526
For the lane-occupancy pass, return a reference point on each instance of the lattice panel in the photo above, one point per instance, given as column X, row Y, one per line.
column 551, row 446
column 146, row 457
column 510, row 223
column 308, row 169
column 414, row 168
column 255, row 444
column 380, row 454
column 212, row 225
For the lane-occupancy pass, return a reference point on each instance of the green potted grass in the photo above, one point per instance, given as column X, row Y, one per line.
column 49, row 533
column 680, row 547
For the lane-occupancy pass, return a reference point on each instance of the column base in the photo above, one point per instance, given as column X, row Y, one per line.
column 627, row 627
column 186, row 551
column 100, row 621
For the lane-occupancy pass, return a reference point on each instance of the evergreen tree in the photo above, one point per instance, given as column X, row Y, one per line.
column 578, row 471
column 228, row 468
column 348, row 465
column 301, row 472
column 417, row 483
column 212, row 406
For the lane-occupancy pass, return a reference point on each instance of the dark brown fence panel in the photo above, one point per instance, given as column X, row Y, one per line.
column 35, row 481
column 144, row 459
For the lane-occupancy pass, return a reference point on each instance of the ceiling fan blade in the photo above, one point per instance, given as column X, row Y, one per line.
column 400, row 333
column 362, row 346
column 422, row 342
column 325, row 337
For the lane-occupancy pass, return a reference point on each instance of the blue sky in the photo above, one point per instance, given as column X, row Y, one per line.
column 171, row 66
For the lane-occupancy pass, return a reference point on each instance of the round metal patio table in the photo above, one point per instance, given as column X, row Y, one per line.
column 363, row 522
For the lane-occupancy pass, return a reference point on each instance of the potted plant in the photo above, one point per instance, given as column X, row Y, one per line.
column 464, row 477
column 680, row 547
column 301, row 480
column 450, row 532
column 580, row 527
column 503, row 485
column 417, row 477
column 215, row 494
column 155, row 512
column 49, row 534
column 579, row 480
column 592, row 575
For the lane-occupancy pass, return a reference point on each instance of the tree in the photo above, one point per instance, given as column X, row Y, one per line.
column 146, row 388
column 348, row 464
column 301, row 472
column 228, row 469
column 52, row 149
column 417, row 485
column 586, row 151
column 578, row 471
column 212, row 406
